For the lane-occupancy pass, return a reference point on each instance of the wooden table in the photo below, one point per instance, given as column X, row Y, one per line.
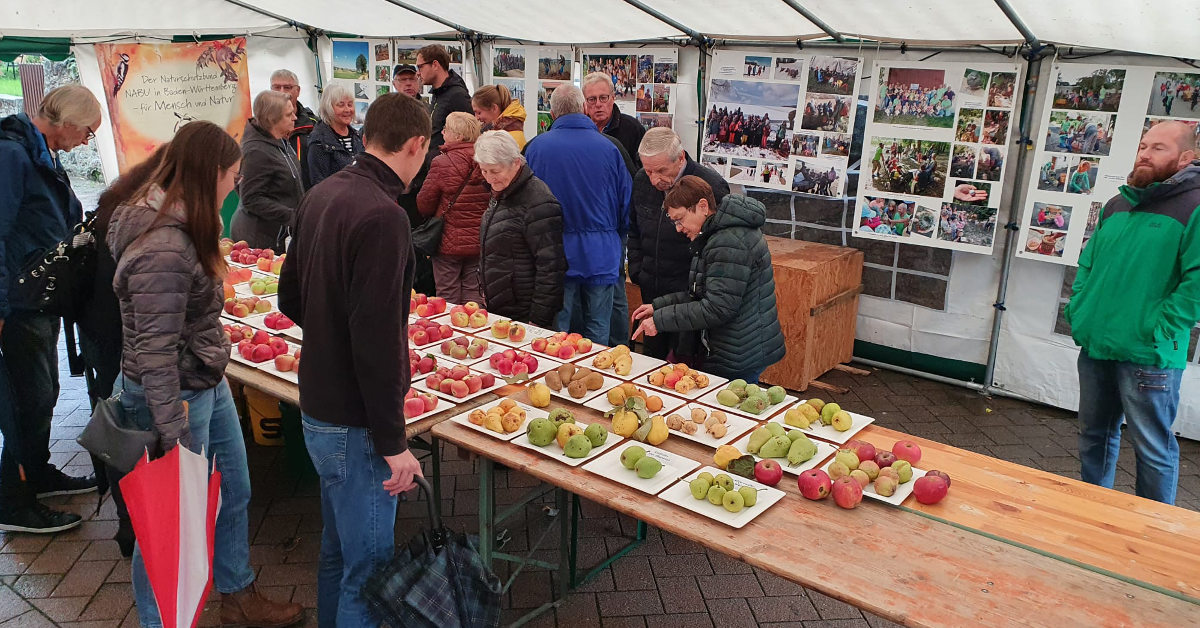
column 1008, row 546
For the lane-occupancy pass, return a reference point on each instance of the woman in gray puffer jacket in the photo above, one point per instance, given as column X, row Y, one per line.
column 168, row 285
column 272, row 182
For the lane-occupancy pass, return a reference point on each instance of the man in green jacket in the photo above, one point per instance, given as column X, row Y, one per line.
column 1135, row 300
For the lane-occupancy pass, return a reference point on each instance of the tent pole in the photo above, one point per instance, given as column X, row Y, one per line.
column 1033, row 71
column 286, row 20
column 816, row 21
column 660, row 16
column 1020, row 25
column 313, row 44
column 705, row 46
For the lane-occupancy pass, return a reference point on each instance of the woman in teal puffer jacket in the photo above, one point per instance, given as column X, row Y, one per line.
column 731, row 285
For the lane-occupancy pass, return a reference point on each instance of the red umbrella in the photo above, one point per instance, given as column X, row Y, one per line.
column 173, row 504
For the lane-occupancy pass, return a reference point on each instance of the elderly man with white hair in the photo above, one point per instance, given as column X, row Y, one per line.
column 521, row 260
column 334, row 142
column 286, row 82
column 660, row 256
column 587, row 174
column 602, row 109
column 271, row 184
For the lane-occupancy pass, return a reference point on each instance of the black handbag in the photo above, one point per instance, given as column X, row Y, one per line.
column 427, row 238
column 114, row 439
column 59, row 282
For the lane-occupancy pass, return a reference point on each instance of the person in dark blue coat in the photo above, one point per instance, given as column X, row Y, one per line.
column 333, row 143
column 38, row 209
column 587, row 174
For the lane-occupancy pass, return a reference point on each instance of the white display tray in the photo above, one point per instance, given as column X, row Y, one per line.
column 824, row 450
column 734, row 424
column 600, row 403
column 528, row 346
column 674, row 467
column 710, row 399
column 555, row 452
column 826, row 432
column 642, row 364
column 269, row 367
column 436, row 350
column 897, row 498
column 680, row 494
column 272, row 299
column 443, row 405
column 531, row 413
column 714, row 383
column 423, row 387
column 544, row 365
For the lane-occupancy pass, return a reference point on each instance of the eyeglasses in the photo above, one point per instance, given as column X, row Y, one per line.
column 421, row 65
column 599, row 99
column 237, row 178
column 91, row 135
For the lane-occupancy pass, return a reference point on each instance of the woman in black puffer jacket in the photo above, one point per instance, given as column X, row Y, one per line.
column 521, row 259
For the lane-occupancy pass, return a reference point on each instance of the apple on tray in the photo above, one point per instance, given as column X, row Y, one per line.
column 500, row 329
column 459, row 316
column 471, row 307
column 478, row 319
column 516, row 332
column 768, row 472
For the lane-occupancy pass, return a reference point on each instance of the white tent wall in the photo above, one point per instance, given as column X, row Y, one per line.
column 284, row 49
column 1032, row 360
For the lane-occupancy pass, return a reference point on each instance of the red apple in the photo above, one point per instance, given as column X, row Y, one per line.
column 424, row 310
column 865, row 450
column 261, row 337
column 478, row 319
column 246, row 350
column 520, row 368
column 511, row 354
column 470, row 307
column 505, row 366
column 459, row 372
column 584, row 345
column 559, row 336
column 516, row 332
column 460, row 389
column 438, row 303
column 413, row 407
column 279, row 346
column 488, row 380
column 446, row 331
column 474, row 383
column 434, row 382
column 446, row 387
column 241, row 310
column 427, row 364
column 814, row 484
column 477, row 349
column 847, row 492
column 884, row 458
column 461, row 341
column 539, row 344
column 930, row 489
column 552, row 347
column 445, row 347
column 458, row 352
column 574, row 338
column 284, row 362
column 494, row 361
column 531, row 362
column 430, row 401
column 768, row 472
column 459, row 319
column 941, row 474
column 566, row 352
column 419, row 337
column 240, row 244
column 907, row 450
column 421, row 298
column 262, row 353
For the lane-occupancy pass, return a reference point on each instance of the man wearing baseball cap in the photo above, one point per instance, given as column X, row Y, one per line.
column 406, row 81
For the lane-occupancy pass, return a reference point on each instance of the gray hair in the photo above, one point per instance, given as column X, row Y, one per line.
column 497, row 148
column 598, row 77
column 566, row 99
column 285, row 74
column 270, row 107
column 333, row 94
column 661, row 140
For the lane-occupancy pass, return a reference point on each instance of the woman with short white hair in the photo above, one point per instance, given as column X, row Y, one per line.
column 333, row 143
column 521, row 259
column 271, row 183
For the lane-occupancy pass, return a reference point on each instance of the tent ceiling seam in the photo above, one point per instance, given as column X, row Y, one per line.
column 430, row 16
column 816, row 21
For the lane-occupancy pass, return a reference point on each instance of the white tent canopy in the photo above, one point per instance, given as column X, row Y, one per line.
column 1155, row 27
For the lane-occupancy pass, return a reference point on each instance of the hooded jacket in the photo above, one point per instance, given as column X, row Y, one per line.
column 170, row 311
column 1137, row 292
column 270, row 190
column 326, row 153
column 731, row 293
column 521, row 258
column 659, row 256
column 38, row 209
column 454, row 170
column 452, row 96
column 512, row 120
column 587, row 174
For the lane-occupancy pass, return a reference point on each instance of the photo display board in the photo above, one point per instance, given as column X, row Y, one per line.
column 934, row 153
column 780, row 121
column 1094, row 118
column 531, row 74
column 364, row 66
column 406, row 52
column 645, row 80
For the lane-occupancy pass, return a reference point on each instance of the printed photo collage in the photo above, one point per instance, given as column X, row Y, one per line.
column 531, row 74
column 934, row 154
column 644, row 80
column 366, row 66
column 781, row 122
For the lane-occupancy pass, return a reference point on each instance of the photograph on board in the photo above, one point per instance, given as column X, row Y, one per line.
column 914, row 97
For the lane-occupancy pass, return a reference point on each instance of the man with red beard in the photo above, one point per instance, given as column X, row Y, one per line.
column 1135, row 301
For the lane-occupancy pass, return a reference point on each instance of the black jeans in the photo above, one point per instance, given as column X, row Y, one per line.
column 29, row 343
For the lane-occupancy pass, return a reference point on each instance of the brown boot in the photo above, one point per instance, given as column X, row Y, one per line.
column 249, row 609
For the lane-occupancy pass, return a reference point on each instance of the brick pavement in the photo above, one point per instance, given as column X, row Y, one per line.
column 78, row 578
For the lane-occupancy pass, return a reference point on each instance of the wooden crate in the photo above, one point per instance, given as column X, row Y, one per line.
column 816, row 289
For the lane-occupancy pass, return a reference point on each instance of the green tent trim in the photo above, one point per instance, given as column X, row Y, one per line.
column 53, row 48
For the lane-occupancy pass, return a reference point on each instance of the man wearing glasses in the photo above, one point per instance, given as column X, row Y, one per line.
column 38, row 209
column 450, row 92
column 602, row 109
column 285, row 81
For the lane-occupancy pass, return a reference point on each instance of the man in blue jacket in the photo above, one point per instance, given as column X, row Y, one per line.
column 587, row 174
column 37, row 211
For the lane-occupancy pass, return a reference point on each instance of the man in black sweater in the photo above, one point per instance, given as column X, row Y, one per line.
column 659, row 256
column 347, row 282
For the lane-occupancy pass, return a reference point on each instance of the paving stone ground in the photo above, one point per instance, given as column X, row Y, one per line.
column 78, row 578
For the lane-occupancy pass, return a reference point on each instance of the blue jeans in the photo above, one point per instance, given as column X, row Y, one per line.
column 359, row 518
column 216, row 432
column 1147, row 398
column 588, row 310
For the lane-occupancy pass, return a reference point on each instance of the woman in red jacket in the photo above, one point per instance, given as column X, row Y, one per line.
column 456, row 191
